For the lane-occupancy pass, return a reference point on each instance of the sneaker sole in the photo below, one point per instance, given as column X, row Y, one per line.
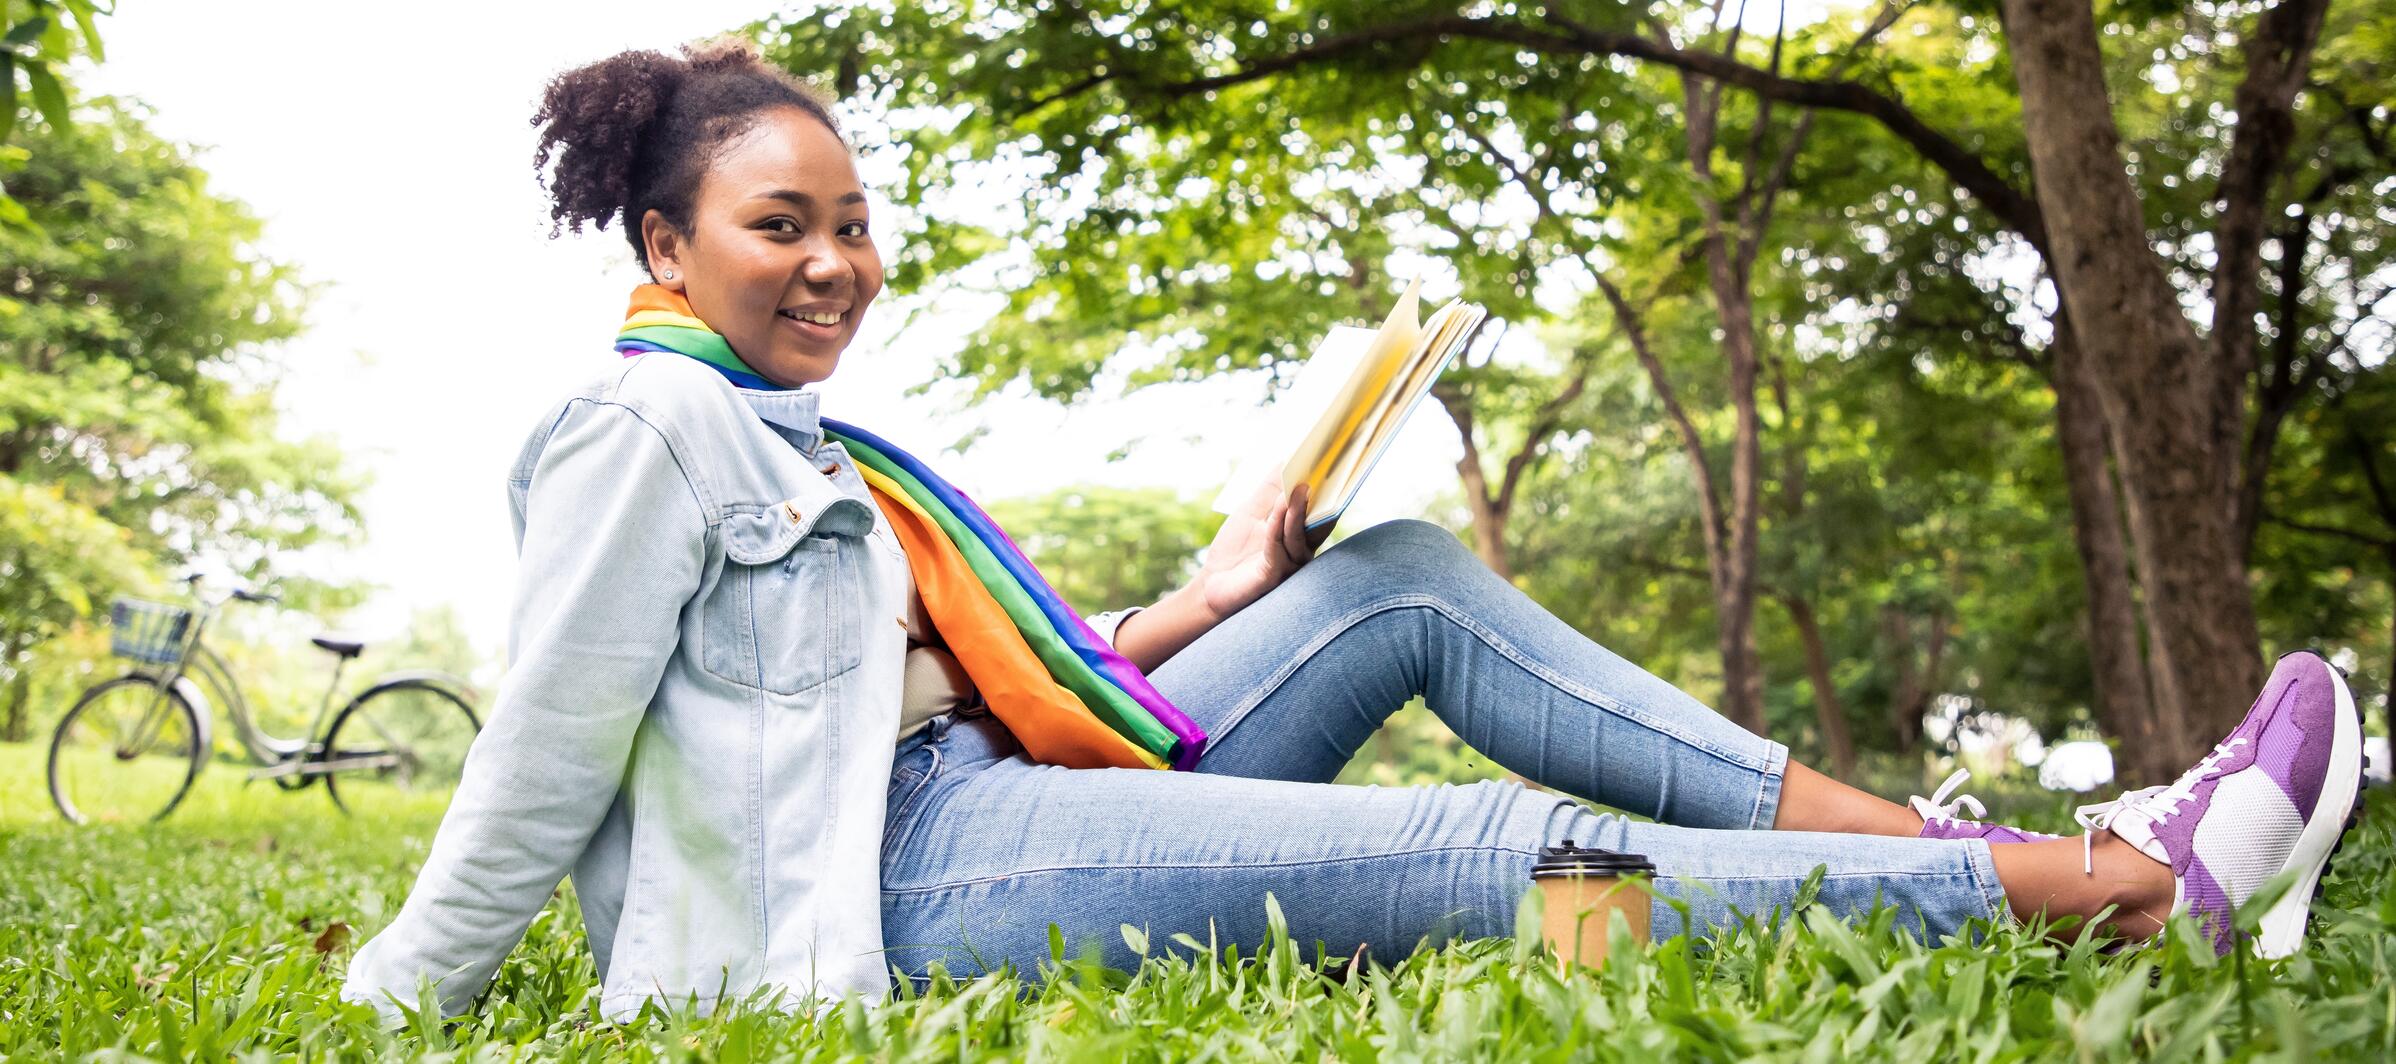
column 2282, row 930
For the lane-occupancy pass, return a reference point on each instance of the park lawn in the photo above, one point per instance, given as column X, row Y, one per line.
column 224, row 931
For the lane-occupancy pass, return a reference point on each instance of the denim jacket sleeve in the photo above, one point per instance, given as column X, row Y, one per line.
column 611, row 546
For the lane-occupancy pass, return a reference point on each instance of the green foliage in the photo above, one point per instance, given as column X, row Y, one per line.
column 224, row 932
column 37, row 38
column 1415, row 747
column 1108, row 548
column 137, row 425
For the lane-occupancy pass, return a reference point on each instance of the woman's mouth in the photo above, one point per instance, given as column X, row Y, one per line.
column 814, row 325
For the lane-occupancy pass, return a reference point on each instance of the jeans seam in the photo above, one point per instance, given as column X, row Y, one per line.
column 1982, row 864
column 1150, row 866
column 1490, row 639
column 1767, row 793
column 894, row 839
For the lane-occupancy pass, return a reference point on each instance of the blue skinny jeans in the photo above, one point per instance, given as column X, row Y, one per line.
column 985, row 848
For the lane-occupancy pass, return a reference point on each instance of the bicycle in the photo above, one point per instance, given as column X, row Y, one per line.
column 132, row 746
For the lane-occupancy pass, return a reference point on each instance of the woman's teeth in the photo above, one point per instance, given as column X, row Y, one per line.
column 819, row 319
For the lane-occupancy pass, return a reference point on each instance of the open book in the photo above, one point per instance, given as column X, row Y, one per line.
column 1347, row 404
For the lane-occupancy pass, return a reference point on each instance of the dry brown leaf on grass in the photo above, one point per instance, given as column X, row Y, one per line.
column 336, row 935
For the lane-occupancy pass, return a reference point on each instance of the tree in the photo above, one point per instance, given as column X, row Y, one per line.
column 1186, row 146
column 137, row 428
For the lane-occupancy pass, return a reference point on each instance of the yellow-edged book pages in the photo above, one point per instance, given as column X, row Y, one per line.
column 1380, row 375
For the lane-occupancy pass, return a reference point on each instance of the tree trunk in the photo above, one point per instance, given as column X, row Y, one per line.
column 2124, row 704
column 1916, row 684
column 1489, row 541
column 1734, row 597
column 1728, row 255
column 16, row 727
column 2158, row 383
column 1830, row 714
column 1489, row 512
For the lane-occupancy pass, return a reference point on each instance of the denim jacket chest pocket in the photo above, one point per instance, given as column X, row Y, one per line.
column 785, row 616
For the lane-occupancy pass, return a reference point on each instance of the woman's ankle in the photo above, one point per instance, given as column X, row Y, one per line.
column 2048, row 879
column 2139, row 888
column 1811, row 801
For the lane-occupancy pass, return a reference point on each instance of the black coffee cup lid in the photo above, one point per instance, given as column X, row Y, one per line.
column 1571, row 860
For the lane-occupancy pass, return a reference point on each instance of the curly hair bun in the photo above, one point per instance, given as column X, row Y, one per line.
column 634, row 132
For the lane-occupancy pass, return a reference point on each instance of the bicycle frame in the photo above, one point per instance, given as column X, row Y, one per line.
column 199, row 661
column 263, row 748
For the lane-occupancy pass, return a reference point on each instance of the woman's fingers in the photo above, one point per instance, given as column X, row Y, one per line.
column 1268, row 522
column 1294, row 544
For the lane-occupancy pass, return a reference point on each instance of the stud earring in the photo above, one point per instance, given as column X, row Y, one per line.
column 669, row 275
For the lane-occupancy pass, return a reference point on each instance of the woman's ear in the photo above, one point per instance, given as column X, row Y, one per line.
column 665, row 250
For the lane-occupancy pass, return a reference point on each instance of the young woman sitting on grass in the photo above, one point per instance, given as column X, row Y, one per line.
column 736, row 622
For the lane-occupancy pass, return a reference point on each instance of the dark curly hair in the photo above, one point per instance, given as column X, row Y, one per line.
column 635, row 131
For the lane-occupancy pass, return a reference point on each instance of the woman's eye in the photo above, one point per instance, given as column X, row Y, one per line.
column 854, row 229
column 782, row 225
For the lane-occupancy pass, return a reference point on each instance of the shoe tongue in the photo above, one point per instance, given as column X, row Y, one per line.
column 2135, row 824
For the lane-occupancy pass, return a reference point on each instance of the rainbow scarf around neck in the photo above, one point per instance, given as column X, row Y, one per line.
column 661, row 320
column 1068, row 697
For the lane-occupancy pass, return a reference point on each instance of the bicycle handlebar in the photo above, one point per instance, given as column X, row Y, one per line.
column 237, row 594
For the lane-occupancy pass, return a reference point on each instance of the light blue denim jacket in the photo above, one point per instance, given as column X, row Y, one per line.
column 699, row 715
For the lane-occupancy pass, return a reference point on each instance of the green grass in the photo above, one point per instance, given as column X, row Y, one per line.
column 224, row 931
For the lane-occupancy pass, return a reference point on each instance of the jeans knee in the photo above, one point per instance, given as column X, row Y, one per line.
column 1406, row 541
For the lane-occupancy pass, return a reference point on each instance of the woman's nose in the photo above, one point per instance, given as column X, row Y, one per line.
column 825, row 265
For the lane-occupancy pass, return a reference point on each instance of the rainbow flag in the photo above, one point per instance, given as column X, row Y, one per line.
column 946, row 533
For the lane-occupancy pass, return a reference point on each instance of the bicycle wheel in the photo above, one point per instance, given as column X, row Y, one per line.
column 126, row 753
column 399, row 741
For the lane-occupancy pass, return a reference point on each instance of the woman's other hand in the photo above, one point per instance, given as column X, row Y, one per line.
column 1256, row 549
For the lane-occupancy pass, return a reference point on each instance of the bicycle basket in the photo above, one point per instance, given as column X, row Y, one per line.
column 147, row 631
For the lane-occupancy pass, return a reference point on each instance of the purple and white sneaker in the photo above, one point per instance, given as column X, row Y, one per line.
column 2275, row 796
column 1940, row 822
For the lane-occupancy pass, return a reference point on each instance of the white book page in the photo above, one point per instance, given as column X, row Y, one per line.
column 1275, row 432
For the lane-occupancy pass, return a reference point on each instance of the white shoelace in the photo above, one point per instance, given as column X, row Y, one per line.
column 2167, row 799
column 1942, row 803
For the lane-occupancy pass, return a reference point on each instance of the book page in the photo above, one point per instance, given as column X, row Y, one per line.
column 1441, row 338
column 1399, row 332
column 1275, row 432
column 1329, row 439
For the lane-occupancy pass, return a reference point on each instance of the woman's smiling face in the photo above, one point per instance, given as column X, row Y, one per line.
column 778, row 257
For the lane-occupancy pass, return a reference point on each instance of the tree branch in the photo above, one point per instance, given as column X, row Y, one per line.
column 1459, row 408
column 2010, row 204
column 1709, row 499
column 2369, row 460
column 2363, row 538
column 2277, row 55
column 1543, row 424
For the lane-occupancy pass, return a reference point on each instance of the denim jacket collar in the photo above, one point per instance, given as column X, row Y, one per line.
column 792, row 413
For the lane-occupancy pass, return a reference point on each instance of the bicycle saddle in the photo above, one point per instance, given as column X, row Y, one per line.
column 341, row 645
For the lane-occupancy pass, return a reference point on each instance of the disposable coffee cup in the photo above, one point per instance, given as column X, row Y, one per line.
column 1580, row 890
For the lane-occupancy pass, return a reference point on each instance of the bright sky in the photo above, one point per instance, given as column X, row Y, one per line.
column 390, row 152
